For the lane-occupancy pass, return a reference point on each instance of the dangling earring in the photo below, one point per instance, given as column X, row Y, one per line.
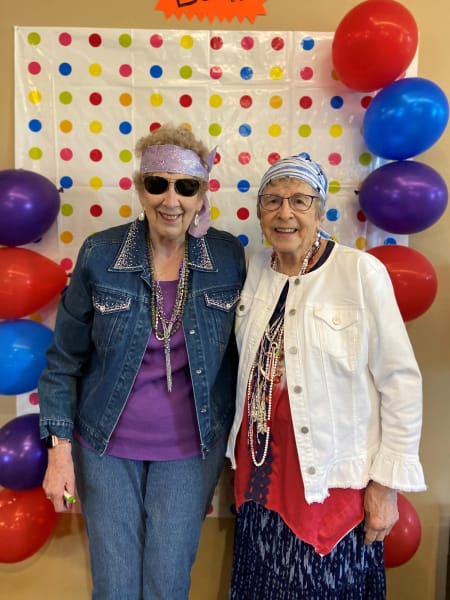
column 263, row 238
column 196, row 220
column 141, row 216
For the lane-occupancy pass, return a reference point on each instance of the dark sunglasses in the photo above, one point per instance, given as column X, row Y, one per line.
column 154, row 184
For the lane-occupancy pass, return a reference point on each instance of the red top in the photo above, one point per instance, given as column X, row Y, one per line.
column 278, row 485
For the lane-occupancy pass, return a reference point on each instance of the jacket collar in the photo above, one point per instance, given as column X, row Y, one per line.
column 133, row 256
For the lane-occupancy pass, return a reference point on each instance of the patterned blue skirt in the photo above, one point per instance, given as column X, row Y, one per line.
column 271, row 563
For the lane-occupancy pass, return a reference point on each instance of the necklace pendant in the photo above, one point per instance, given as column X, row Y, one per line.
column 168, row 364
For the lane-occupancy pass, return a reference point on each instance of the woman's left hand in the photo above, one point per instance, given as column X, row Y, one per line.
column 381, row 512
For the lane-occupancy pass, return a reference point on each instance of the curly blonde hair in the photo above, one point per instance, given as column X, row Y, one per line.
column 175, row 135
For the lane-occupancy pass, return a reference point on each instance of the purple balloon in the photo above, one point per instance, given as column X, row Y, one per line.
column 403, row 197
column 29, row 203
column 23, row 455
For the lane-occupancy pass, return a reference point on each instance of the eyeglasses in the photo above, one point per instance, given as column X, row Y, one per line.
column 154, row 184
column 298, row 202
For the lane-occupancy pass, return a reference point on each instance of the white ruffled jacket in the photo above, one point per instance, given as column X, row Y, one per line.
column 355, row 389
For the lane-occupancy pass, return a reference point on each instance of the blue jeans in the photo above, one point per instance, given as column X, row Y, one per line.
column 143, row 520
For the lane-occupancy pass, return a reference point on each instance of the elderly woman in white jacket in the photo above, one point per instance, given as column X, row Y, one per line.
column 329, row 406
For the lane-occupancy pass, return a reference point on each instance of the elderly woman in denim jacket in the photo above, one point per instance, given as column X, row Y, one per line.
column 138, row 395
column 329, row 405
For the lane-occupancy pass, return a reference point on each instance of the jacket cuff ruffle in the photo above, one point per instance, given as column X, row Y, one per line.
column 400, row 473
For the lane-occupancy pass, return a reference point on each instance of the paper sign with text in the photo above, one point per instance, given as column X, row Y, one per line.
column 213, row 9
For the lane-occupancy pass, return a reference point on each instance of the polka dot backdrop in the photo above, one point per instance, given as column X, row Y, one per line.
column 85, row 96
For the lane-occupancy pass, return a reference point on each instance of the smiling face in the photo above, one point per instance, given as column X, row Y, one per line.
column 290, row 233
column 169, row 214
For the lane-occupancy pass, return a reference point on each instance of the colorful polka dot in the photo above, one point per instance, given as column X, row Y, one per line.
column 243, row 214
column 255, row 121
column 35, row 125
column 186, row 72
column 215, row 72
column 96, row 155
column 245, row 130
column 95, row 70
column 305, row 102
column 125, row 40
column 96, row 210
column 34, row 68
column 65, row 69
column 274, row 130
column 156, row 40
column 95, row 40
column 306, row 74
column 95, row 99
column 307, row 44
column 66, row 210
column 277, row 44
column 156, row 71
column 65, row 39
column 247, row 42
column 125, row 99
column 246, row 73
column 95, row 127
column 215, row 101
column 244, row 158
column 96, row 183
column 125, row 183
column 125, row 211
column 125, row 70
column 216, row 42
column 66, row 154
column 186, row 42
column 35, row 153
column 276, row 101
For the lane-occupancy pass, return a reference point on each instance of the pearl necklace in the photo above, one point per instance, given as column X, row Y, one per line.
column 164, row 328
column 265, row 371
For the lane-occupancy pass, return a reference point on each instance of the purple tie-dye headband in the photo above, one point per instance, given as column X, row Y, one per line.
column 174, row 159
column 168, row 158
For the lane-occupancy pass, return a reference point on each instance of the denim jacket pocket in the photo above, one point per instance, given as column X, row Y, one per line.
column 220, row 316
column 112, row 310
column 224, row 300
column 106, row 302
column 338, row 333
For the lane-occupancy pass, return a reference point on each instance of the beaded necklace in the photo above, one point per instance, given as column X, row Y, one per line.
column 266, row 371
column 163, row 327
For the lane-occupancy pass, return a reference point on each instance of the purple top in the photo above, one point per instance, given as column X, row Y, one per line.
column 156, row 424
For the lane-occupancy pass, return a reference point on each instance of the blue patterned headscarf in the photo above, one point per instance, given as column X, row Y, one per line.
column 300, row 167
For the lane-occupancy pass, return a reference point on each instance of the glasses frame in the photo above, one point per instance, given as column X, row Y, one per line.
column 310, row 197
column 175, row 183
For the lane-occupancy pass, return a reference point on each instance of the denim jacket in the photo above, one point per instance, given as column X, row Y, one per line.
column 104, row 323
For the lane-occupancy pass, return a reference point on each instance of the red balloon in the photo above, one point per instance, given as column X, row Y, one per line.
column 413, row 277
column 28, row 281
column 404, row 538
column 374, row 44
column 27, row 519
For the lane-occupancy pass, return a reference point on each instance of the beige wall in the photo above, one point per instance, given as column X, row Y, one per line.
column 60, row 568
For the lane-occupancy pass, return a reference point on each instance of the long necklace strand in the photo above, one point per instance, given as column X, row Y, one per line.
column 163, row 327
column 265, row 372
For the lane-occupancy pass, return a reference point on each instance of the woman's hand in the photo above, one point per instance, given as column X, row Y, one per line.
column 381, row 512
column 60, row 476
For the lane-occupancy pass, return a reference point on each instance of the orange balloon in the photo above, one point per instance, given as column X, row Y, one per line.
column 27, row 519
column 404, row 538
column 413, row 277
column 28, row 281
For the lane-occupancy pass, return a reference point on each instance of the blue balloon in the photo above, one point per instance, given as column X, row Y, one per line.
column 403, row 197
column 405, row 118
column 29, row 204
column 23, row 345
column 23, row 455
